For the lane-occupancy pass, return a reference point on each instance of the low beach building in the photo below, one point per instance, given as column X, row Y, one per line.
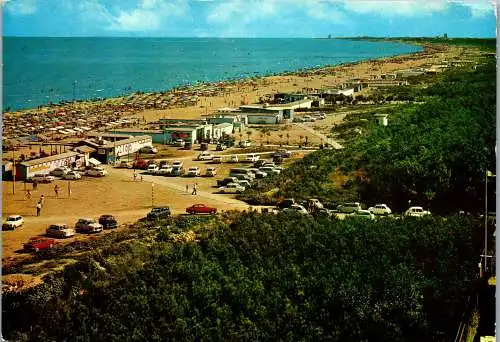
column 158, row 136
column 193, row 130
column 29, row 168
column 107, row 152
column 219, row 130
column 264, row 118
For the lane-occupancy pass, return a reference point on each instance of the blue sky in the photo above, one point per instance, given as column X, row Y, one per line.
column 249, row 18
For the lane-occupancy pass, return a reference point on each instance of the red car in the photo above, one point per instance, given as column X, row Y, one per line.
column 200, row 209
column 38, row 243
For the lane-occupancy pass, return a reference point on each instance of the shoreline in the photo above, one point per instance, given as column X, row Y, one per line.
column 193, row 101
column 194, row 86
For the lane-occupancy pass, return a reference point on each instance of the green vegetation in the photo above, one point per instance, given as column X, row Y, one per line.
column 261, row 277
column 435, row 154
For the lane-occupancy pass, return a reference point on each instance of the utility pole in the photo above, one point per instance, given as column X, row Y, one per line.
column 152, row 195
column 13, row 173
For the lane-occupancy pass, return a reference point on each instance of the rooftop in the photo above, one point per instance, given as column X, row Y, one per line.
column 49, row 158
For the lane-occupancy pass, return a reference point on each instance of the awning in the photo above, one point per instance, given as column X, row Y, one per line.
column 94, row 161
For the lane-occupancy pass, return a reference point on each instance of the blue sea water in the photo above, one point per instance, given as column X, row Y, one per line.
column 39, row 70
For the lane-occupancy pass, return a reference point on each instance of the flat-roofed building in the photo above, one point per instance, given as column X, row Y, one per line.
column 107, row 152
column 29, row 168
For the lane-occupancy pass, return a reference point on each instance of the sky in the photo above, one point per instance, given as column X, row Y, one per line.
column 249, row 18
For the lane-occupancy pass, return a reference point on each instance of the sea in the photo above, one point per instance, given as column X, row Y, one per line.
column 42, row 70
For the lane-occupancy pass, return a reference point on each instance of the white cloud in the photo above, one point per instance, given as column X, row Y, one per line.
column 19, row 7
column 478, row 8
column 408, row 8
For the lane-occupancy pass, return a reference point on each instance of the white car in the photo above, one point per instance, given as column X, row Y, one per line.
column 42, row 178
column 88, row 225
column 217, row 159
column 245, row 143
column 148, row 149
column 165, row 170
column 96, row 173
column 416, row 212
column 258, row 173
column 244, row 183
column 252, row 157
column 177, row 163
column 349, row 207
column 60, row 231
column 363, row 214
column 232, row 188
column 59, row 171
column 269, row 170
column 296, row 208
column 193, row 171
column 153, row 169
column 13, row 222
column 179, row 143
column 380, row 209
column 205, row 156
column 234, row 158
column 210, row 172
column 71, row 175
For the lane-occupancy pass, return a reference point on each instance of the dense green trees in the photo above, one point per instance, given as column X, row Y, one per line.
column 263, row 277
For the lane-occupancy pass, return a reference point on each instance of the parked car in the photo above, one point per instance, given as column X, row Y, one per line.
column 204, row 146
column 283, row 153
column 39, row 243
column 148, row 149
column 252, row 157
column 241, row 177
column 233, row 158
column 220, row 147
column 158, row 213
column 380, row 209
column 88, row 225
column 205, row 156
column 60, row 230
column 363, row 214
column 269, row 164
column 12, row 222
column 72, row 175
column 188, row 145
column 177, row 171
column 226, row 181
column 153, row 169
column 165, row 170
column 193, row 171
column 39, row 178
column 314, row 203
column 349, row 207
column 96, row 173
column 277, row 159
column 244, row 182
column 140, row 164
column 108, row 221
column 259, row 163
column 296, row 208
column 270, row 170
column 177, row 163
column 210, row 172
column 179, row 143
column 245, row 143
column 416, row 212
column 258, row 173
column 217, row 159
column 124, row 165
column 200, row 209
column 59, row 171
column 232, row 188
column 287, row 202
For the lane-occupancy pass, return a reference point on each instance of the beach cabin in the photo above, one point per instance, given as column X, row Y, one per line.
column 44, row 165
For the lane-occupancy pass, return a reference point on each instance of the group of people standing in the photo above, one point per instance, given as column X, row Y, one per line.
column 41, row 201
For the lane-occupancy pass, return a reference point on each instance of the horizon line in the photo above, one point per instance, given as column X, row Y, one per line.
column 219, row 37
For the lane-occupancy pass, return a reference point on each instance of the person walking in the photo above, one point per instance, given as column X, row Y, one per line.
column 28, row 194
column 135, row 175
column 187, row 188
column 42, row 200
column 56, row 190
column 35, row 185
column 38, row 209
column 194, row 189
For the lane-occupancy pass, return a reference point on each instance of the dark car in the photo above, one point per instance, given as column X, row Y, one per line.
column 220, row 147
column 259, row 163
column 277, row 159
column 158, row 213
column 108, row 221
column 287, row 202
column 226, row 181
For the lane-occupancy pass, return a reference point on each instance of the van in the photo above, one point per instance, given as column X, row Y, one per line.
column 252, row 157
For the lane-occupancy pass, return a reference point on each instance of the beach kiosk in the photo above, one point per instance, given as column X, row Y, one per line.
column 382, row 119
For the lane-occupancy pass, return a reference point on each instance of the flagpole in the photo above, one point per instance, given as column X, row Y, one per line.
column 486, row 223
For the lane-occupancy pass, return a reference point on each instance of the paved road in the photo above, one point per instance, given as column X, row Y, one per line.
column 330, row 141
